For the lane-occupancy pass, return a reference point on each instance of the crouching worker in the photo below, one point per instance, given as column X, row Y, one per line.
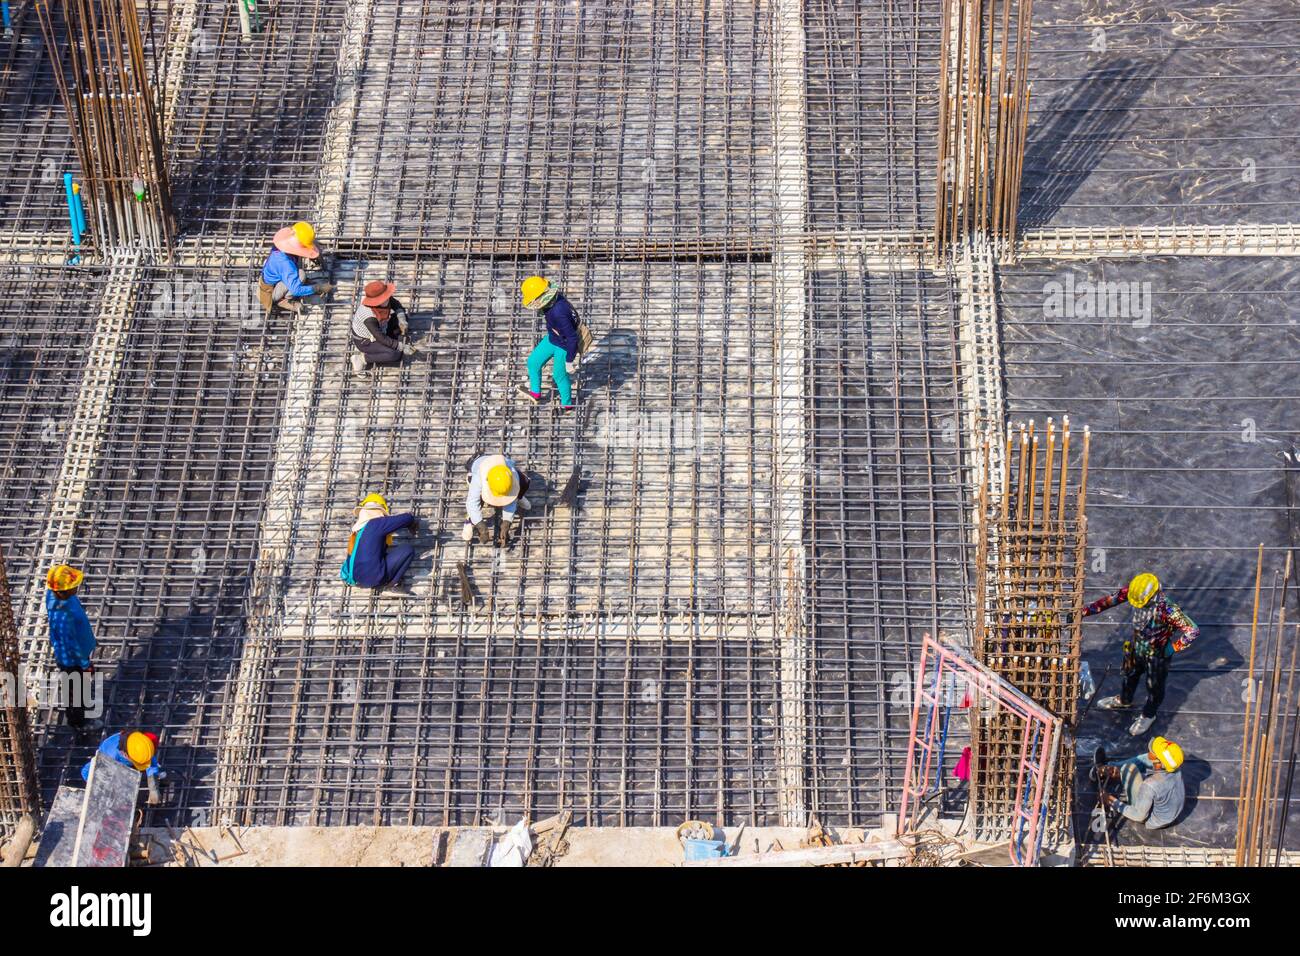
column 134, row 748
column 373, row 560
column 284, row 274
column 378, row 328
column 498, row 482
column 1151, row 784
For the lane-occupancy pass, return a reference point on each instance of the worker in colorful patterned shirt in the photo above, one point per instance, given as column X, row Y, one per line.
column 71, row 639
column 1160, row 629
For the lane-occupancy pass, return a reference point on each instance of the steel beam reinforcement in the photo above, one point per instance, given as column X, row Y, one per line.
column 775, row 445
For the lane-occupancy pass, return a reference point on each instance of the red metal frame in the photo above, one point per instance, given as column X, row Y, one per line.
column 1038, row 743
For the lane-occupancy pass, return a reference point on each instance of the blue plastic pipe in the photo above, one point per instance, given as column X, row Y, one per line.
column 4, row 11
column 81, row 209
column 73, row 218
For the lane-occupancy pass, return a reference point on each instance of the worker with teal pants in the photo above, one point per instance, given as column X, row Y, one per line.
column 560, row 345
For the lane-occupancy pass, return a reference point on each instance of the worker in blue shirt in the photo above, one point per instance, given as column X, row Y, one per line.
column 71, row 639
column 283, row 280
column 560, row 346
column 373, row 560
column 134, row 748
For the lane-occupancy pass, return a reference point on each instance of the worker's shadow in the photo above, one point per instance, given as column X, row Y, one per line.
column 612, row 362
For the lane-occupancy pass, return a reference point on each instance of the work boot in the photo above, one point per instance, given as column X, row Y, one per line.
column 1140, row 726
column 358, row 362
column 1113, row 702
column 528, row 393
column 524, row 504
column 400, row 590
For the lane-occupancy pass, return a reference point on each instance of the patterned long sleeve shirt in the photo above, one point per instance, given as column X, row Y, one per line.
column 1153, row 628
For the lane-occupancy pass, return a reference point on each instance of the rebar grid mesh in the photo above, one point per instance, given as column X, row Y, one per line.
column 512, row 119
column 1192, row 404
column 168, row 531
column 633, row 664
column 47, row 316
column 245, row 144
column 1029, row 581
column 872, row 113
column 888, row 507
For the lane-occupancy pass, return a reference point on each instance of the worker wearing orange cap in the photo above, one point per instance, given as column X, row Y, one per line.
column 134, row 748
column 284, row 275
column 71, row 639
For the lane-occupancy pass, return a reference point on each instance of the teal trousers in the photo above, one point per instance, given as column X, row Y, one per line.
column 543, row 353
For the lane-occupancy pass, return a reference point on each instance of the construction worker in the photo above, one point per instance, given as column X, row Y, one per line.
column 373, row 560
column 137, row 749
column 284, row 275
column 560, row 345
column 1152, row 784
column 71, row 638
column 498, row 482
column 378, row 327
column 1160, row 629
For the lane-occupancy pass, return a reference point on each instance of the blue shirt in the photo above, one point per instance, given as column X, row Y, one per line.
column 70, row 633
column 280, row 268
column 474, row 497
column 368, row 568
column 562, row 327
column 112, row 748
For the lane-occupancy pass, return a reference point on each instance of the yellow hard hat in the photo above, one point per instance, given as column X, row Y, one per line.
column 140, row 749
column 500, row 480
column 1142, row 589
column 305, row 233
column 1168, row 753
column 63, row 577
column 533, row 288
column 373, row 499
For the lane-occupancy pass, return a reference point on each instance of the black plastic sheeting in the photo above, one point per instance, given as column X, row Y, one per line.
column 1178, row 112
column 1190, row 410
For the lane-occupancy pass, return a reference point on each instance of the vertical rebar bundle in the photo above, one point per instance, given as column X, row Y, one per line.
column 1029, row 585
column 103, row 77
column 18, row 792
column 1268, row 752
column 983, row 118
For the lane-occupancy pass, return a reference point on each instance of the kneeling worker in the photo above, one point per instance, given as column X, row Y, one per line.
column 373, row 560
column 496, row 481
column 283, row 283
column 1152, row 783
column 134, row 748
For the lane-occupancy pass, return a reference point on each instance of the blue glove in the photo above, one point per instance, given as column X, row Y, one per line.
column 1169, row 648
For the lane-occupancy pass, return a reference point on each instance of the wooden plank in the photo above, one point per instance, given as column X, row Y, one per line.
column 108, row 814
column 59, row 835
